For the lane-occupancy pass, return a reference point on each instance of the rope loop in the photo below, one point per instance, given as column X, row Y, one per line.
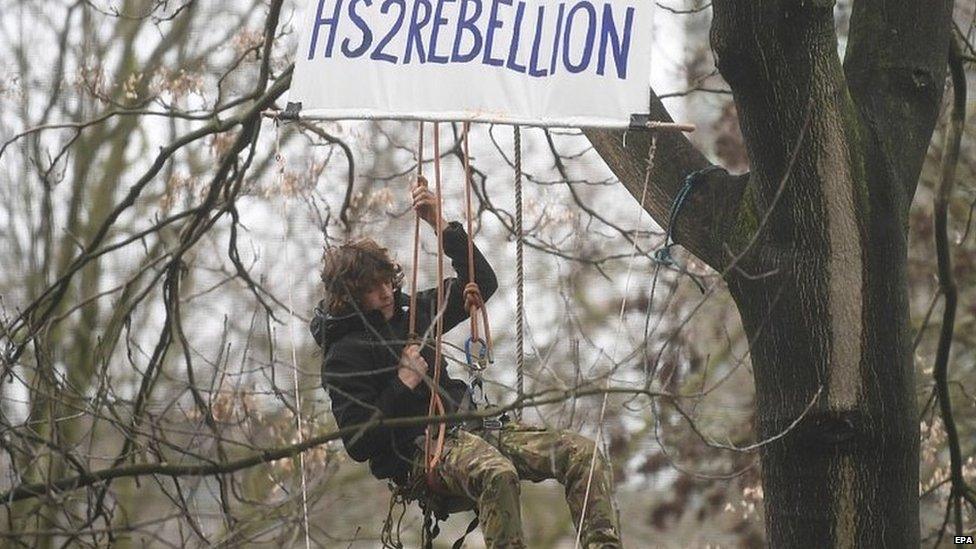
column 473, row 300
column 663, row 255
column 691, row 180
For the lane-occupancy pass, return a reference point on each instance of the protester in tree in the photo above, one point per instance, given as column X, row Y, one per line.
column 372, row 370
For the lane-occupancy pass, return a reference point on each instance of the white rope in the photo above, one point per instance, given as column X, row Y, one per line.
column 279, row 161
column 520, row 274
column 620, row 323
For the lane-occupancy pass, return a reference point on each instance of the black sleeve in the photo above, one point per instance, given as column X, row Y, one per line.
column 456, row 247
column 356, row 399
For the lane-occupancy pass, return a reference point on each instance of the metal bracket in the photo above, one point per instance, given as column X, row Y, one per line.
column 292, row 109
column 643, row 122
column 639, row 121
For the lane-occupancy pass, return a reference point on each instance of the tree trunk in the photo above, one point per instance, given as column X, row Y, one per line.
column 813, row 246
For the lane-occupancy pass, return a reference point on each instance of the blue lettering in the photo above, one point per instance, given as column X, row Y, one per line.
column 467, row 24
column 513, row 50
column 493, row 25
column 587, row 45
column 332, row 22
column 438, row 23
column 534, row 58
column 620, row 49
column 367, row 34
column 378, row 54
column 555, row 41
column 413, row 31
column 574, row 42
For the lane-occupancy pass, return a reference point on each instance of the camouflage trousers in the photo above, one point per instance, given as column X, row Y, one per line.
column 485, row 467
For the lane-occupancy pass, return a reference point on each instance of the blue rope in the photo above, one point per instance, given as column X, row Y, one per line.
column 663, row 254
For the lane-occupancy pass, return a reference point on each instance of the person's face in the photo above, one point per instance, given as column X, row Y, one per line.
column 380, row 298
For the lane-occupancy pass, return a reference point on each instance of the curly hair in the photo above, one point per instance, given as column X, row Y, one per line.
column 351, row 270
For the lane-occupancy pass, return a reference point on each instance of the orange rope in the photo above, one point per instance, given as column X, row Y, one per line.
column 416, row 243
column 434, row 449
column 467, row 201
column 473, row 301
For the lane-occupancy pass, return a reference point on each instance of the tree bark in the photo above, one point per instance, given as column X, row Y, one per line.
column 813, row 246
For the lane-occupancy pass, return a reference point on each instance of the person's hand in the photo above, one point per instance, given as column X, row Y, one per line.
column 412, row 367
column 424, row 201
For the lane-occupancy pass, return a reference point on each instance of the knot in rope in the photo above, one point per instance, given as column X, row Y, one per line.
column 472, row 298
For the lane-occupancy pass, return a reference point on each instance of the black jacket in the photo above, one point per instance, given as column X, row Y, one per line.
column 362, row 351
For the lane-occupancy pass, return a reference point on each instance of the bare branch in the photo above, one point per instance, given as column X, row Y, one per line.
column 947, row 284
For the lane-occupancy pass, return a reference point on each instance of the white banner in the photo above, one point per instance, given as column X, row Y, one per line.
column 575, row 63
